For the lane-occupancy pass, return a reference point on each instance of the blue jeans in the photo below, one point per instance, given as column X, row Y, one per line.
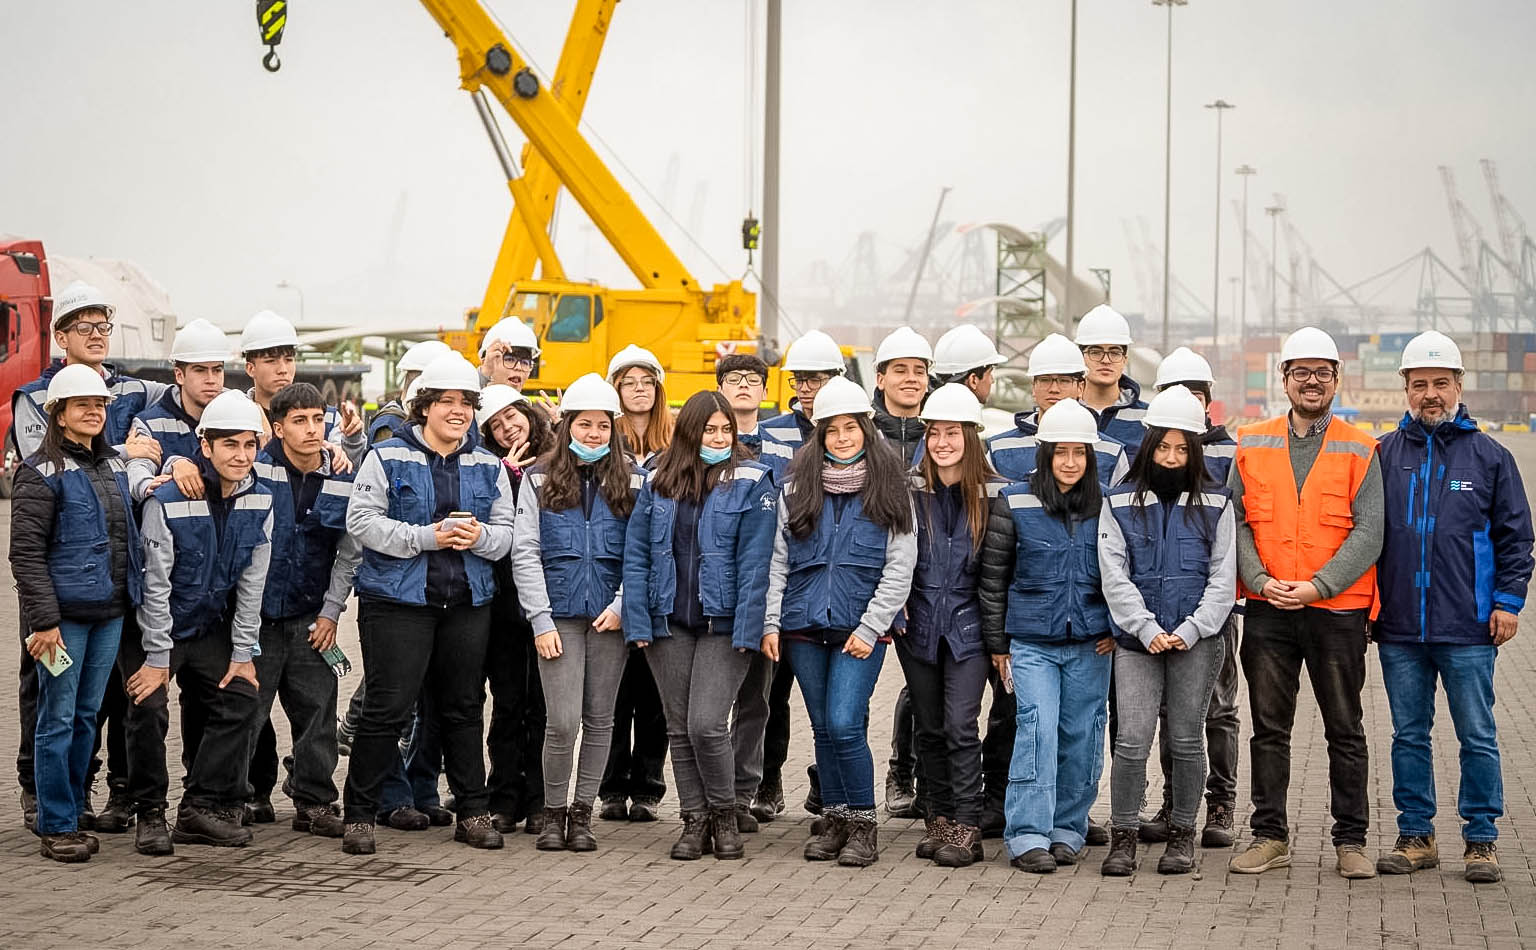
column 1062, row 692
column 66, row 721
column 837, row 687
column 1408, row 670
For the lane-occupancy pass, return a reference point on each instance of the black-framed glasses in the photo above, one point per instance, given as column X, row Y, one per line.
column 1302, row 374
column 82, row 328
column 811, row 382
column 1104, row 354
column 742, row 379
column 1057, row 382
column 516, row 362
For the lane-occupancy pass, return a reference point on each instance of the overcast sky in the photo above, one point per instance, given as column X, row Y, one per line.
column 360, row 172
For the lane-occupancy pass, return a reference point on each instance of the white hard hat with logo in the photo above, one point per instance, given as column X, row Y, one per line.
column 1183, row 365
column 513, row 332
column 590, row 392
column 1103, row 326
column 1068, row 421
column 450, row 371
column 815, row 352
column 76, row 379
column 231, row 411
column 633, row 355
column 841, row 397
column 1176, row 408
column 903, row 343
column 420, row 355
column 1308, row 343
column 493, row 399
column 266, row 330
column 76, row 297
column 1431, row 350
column 200, row 342
column 951, row 402
column 1056, row 355
column 964, row 348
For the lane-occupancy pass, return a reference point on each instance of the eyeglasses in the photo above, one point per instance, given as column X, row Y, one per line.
column 1302, row 374
column 86, row 329
column 638, row 382
column 1057, row 382
column 1105, row 354
column 742, row 379
column 808, row 383
column 516, row 362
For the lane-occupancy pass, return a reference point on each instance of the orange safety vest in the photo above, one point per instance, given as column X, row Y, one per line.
column 1297, row 535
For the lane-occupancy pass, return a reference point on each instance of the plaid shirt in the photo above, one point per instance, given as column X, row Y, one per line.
column 1315, row 429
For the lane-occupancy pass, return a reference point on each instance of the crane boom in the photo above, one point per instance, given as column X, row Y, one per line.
column 1468, row 234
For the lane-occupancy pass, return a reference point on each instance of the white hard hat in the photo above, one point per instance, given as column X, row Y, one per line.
column 1056, row 355
column 951, row 402
column 1431, row 350
column 841, row 397
column 493, row 399
column 633, row 355
column 1176, row 408
column 903, row 343
column 200, row 342
column 1308, row 343
column 232, row 411
column 1183, row 365
column 814, row 353
column 1068, row 421
column 964, row 348
column 76, row 379
column 266, row 330
column 76, row 297
column 1103, row 325
column 513, row 332
column 450, row 371
column 590, row 392
column 410, row 393
column 420, row 355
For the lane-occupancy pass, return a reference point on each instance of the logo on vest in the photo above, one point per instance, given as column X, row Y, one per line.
column 1461, row 484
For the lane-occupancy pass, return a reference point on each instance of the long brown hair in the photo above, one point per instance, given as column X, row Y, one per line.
column 540, row 432
column 562, row 487
column 884, row 496
column 680, row 471
column 974, row 472
column 658, row 431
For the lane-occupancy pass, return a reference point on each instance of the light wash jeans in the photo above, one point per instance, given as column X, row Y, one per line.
column 66, row 721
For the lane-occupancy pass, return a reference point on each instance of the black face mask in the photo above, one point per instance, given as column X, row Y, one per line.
column 1165, row 482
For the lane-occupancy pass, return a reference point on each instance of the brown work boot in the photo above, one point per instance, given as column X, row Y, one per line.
column 694, row 842
column 1179, row 856
column 1263, row 854
column 960, row 848
column 933, row 836
column 1482, row 863
column 1353, row 864
column 578, row 827
column 357, row 838
column 1218, row 831
column 828, row 843
column 67, row 847
column 552, row 835
column 863, row 846
column 725, row 834
column 1411, row 853
column 1121, row 859
column 323, row 821
column 478, row 832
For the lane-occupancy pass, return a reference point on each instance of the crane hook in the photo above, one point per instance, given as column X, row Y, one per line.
column 271, row 17
column 270, row 61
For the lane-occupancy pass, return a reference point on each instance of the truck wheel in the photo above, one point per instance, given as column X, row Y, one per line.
column 8, row 462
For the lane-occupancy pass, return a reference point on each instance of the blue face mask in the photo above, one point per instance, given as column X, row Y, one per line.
column 587, row 454
column 837, row 461
column 714, row 456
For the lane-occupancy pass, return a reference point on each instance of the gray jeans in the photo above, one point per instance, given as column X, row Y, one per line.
column 580, row 687
column 1181, row 682
column 698, row 676
column 1221, row 728
column 749, row 726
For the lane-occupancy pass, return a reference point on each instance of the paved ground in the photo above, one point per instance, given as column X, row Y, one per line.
column 423, row 891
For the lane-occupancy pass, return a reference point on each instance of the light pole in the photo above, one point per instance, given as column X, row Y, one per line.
column 1247, row 171
column 1220, row 105
column 1066, row 296
column 1168, row 165
column 285, row 285
column 1274, row 212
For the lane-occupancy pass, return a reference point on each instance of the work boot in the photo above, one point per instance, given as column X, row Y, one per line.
column 406, row 818
column 614, row 809
column 1179, row 856
column 1097, row 835
column 813, row 795
column 1262, row 855
column 724, row 833
column 745, row 822
column 67, row 847
column 478, row 832
column 933, row 836
column 535, row 823
column 694, row 842
column 92, row 843
column 960, row 848
column 262, row 812
column 1035, row 861
column 768, row 804
column 358, row 838
column 820, row 825
column 437, row 815
column 863, row 845
column 644, row 809
column 322, row 821
column 578, row 827
column 900, row 800
column 552, row 835
column 1155, row 829
column 829, row 840
column 1482, row 863
column 1121, row 859
column 153, row 837
column 1410, row 853
column 504, row 822
column 29, row 810
column 1063, row 853
column 1353, row 864
column 992, row 820
column 1218, row 831
column 209, row 826
column 87, row 819
column 117, row 817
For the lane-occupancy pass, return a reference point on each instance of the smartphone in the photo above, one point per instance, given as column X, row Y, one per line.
column 456, row 518
column 61, row 660
column 337, row 661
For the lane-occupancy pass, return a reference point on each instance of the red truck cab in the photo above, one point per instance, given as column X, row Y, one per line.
column 26, row 311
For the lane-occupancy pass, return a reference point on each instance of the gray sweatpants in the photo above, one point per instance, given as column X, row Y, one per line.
column 580, row 688
column 698, row 676
column 749, row 726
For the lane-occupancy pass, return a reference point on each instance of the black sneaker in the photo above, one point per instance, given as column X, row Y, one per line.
column 153, row 837
column 208, row 826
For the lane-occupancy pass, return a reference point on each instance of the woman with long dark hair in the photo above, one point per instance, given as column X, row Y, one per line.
column 1046, row 626
column 1169, row 560
column 843, row 554
column 942, row 654
column 568, row 559
column 696, row 577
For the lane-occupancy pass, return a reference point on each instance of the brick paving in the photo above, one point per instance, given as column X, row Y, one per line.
column 423, row 891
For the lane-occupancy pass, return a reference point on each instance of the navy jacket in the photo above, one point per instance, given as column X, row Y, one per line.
column 1055, row 594
column 781, row 436
column 214, row 539
column 943, row 604
column 1458, row 533
column 1122, row 421
column 79, row 549
column 1013, row 452
column 306, row 534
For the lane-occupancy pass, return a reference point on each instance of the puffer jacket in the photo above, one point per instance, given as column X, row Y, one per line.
column 995, row 574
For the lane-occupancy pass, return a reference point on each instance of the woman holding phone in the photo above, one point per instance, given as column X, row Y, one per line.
column 76, row 560
column 568, row 559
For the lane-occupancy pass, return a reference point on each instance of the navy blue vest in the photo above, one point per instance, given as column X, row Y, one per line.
column 80, row 552
column 130, row 398
column 833, row 573
column 943, row 603
column 583, row 556
column 1055, row 576
column 208, row 563
column 1170, row 563
column 169, row 423
column 303, row 552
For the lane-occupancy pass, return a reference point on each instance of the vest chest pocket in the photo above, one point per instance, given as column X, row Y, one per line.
column 406, row 503
column 613, row 539
column 1194, row 555
column 76, row 521
column 557, row 537
column 1258, row 500
column 866, row 548
column 1335, row 510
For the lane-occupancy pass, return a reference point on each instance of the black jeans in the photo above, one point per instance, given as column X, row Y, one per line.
column 637, row 766
column 293, row 672
column 1221, row 727
column 1332, row 645
column 404, row 648
column 997, row 744
column 776, row 735
column 220, row 756
column 516, row 738
column 903, row 764
column 109, row 719
column 946, row 701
